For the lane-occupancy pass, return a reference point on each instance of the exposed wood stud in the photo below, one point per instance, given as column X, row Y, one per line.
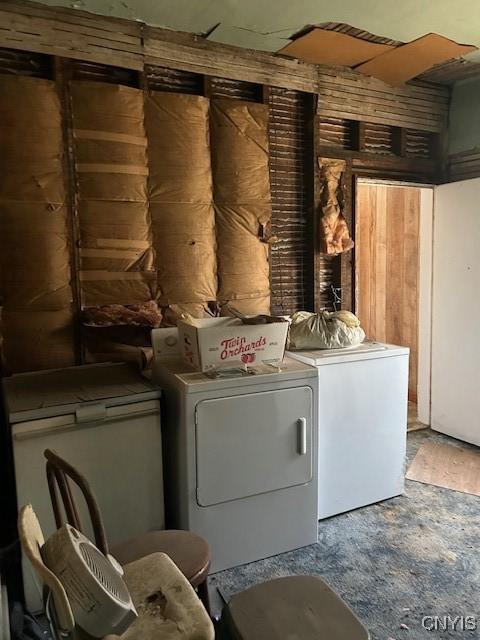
column 443, row 161
column 291, row 256
column 316, row 129
column 265, row 90
column 207, row 87
column 62, row 75
column 312, row 199
column 142, row 81
column 347, row 259
column 359, row 135
column 399, row 141
column 266, row 100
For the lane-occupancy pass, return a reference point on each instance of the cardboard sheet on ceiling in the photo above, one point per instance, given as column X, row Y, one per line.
column 410, row 60
column 320, row 46
column 242, row 201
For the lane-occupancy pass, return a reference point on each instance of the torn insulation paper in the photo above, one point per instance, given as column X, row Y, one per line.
column 334, row 235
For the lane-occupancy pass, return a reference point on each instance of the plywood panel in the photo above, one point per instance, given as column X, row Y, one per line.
column 444, row 465
column 388, row 266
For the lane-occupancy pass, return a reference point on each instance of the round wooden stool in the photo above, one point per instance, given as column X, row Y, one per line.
column 188, row 551
column 301, row 607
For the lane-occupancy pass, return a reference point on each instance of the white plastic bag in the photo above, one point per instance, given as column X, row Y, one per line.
column 324, row 330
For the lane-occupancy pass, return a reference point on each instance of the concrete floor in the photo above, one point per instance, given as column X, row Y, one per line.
column 394, row 562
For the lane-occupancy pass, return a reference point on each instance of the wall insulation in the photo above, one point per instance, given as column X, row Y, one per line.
column 335, row 236
column 242, row 204
column 111, row 166
column 37, row 313
column 181, row 202
column 117, row 277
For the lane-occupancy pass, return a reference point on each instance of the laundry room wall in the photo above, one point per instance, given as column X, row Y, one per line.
column 464, row 131
column 310, row 111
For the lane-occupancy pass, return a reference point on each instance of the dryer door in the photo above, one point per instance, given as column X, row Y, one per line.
column 253, row 443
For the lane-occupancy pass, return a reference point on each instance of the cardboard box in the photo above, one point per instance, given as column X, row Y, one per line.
column 219, row 342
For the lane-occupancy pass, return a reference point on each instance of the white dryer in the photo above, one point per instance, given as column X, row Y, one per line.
column 362, row 424
column 240, row 458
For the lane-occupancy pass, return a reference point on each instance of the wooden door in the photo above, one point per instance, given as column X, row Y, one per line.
column 387, row 267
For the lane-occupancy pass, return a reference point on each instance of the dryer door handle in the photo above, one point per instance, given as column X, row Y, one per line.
column 302, row 436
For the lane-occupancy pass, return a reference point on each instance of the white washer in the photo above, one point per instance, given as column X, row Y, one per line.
column 362, row 424
column 240, row 458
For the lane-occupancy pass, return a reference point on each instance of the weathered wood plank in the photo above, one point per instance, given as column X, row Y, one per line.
column 380, row 116
column 361, row 92
column 412, row 89
column 73, row 17
column 464, row 165
column 199, row 56
column 347, row 259
column 373, row 160
column 71, row 34
column 344, row 93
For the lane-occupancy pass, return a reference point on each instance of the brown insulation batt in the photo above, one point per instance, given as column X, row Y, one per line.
column 334, row 235
column 181, row 202
column 111, row 167
column 37, row 314
column 242, row 202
